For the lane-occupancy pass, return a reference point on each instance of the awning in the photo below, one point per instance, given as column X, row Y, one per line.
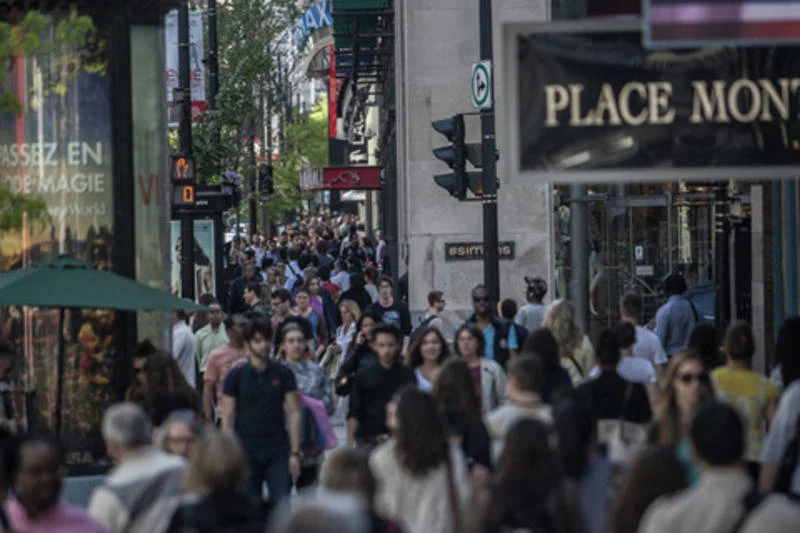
column 356, row 21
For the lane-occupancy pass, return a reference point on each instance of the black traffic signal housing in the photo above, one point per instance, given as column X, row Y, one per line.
column 266, row 180
column 457, row 155
column 454, row 155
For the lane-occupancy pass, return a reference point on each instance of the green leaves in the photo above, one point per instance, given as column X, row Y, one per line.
column 15, row 207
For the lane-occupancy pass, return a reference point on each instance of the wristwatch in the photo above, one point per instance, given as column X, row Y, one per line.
column 298, row 454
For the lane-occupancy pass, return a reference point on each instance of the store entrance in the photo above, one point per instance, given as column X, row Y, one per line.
column 639, row 234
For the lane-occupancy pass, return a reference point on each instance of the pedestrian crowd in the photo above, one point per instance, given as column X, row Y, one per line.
column 514, row 421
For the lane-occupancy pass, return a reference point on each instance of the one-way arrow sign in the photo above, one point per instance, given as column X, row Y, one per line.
column 482, row 85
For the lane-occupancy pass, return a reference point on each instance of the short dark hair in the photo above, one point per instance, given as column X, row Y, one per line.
column 182, row 315
column 324, row 272
column 508, row 308
column 37, row 436
column 740, row 344
column 371, row 273
column 387, row 329
column 527, row 373
column 143, row 349
column 675, row 284
column 254, row 286
column 717, row 433
column 434, row 297
column 207, row 299
column 386, row 279
column 255, row 325
column 632, row 305
column 476, row 333
column 542, row 343
column 282, row 294
column 607, row 350
column 480, row 287
column 626, row 335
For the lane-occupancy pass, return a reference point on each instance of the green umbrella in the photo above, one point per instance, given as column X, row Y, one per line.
column 67, row 282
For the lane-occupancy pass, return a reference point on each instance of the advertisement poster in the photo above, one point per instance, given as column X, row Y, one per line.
column 58, row 150
column 196, row 63
column 203, row 257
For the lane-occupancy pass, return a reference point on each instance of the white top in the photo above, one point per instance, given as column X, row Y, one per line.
column 782, row 430
column 419, row 504
column 344, row 338
column 183, row 350
column 422, row 381
column 649, row 347
column 632, row 369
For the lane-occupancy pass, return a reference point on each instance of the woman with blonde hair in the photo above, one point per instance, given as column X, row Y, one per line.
column 217, row 474
column 574, row 348
column 345, row 334
column 686, row 385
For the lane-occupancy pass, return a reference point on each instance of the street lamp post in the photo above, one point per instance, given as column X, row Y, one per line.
column 187, row 225
column 491, row 266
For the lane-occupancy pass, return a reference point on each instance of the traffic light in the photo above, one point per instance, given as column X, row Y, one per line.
column 266, row 183
column 454, row 155
column 457, row 155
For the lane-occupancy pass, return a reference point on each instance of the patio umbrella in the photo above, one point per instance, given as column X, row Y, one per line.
column 69, row 283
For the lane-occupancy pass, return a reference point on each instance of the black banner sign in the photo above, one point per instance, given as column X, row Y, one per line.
column 593, row 101
column 469, row 251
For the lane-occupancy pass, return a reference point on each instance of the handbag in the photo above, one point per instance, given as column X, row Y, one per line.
column 623, row 439
column 452, row 495
column 788, row 464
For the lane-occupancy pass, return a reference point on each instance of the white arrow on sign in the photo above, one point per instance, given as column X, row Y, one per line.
column 482, row 84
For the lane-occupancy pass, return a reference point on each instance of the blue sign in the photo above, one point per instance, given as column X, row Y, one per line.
column 317, row 17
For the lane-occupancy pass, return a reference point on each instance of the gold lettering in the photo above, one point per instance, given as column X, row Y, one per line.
column 557, row 99
column 658, row 97
column 735, row 103
column 625, row 103
column 705, row 103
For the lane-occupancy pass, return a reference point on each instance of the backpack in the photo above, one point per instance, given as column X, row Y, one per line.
column 298, row 280
column 420, row 328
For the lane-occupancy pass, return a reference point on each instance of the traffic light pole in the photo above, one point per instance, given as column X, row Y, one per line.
column 491, row 266
column 187, row 225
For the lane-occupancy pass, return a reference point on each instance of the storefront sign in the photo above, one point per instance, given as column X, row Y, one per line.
column 318, row 16
column 467, row 251
column 341, row 178
column 693, row 23
column 204, row 279
column 594, row 102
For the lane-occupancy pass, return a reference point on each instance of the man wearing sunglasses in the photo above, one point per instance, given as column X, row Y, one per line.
column 501, row 339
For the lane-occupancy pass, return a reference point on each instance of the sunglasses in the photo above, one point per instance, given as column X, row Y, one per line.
column 689, row 378
column 137, row 370
column 477, row 299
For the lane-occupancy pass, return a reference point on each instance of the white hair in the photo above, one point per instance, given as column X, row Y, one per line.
column 323, row 512
column 127, row 425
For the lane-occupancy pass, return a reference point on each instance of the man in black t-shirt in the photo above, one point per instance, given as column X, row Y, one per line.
column 391, row 311
column 373, row 388
column 609, row 395
column 257, row 398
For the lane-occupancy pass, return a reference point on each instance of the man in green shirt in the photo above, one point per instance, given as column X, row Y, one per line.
column 252, row 297
column 210, row 337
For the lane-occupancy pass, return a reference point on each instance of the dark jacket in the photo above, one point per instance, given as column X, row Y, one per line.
column 501, row 351
column 360, row 296
column 236, row 303
column 475, row 440
column 219, row 513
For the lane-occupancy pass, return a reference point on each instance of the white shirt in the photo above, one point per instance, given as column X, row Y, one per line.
column 649, row 347
column 342, row 279
column 183, row 350
column 782, row 431
column 632, row 369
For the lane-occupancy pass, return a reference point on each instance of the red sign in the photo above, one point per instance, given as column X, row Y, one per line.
column 351, row 178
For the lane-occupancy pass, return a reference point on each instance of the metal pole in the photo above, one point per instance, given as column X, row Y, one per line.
column 491, row 267
column 579, row 252
column 253, row 180
column 187, row 226
column 213, row 65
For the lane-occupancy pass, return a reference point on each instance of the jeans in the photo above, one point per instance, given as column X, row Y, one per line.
column 270, row 465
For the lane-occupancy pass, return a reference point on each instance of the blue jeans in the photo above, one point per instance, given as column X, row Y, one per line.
column 270, row 465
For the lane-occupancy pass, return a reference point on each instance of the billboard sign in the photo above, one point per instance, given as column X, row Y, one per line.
column 591, row 102
column 196, row 63
column 693, row 23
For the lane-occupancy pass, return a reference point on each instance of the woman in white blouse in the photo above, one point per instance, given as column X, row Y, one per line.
column 426, row 356
column 423, row 482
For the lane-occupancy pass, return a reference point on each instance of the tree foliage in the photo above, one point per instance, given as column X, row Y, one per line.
column 309, row 138
column 37, row 35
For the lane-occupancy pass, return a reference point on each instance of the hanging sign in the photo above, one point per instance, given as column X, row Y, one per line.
column 594, row 103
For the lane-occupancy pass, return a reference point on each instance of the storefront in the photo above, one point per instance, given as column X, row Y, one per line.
column 661, row 163
column 90, row 143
